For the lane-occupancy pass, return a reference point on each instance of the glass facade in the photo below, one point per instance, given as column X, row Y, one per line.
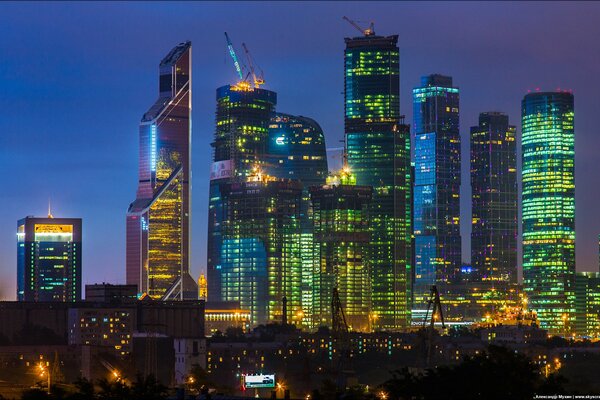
column 437, row 187
column 587, row 304
column 49, row 259
column 341, row 236
column 494, row 201
column 378, row 150
column 260, row 253
column 240, row 144
column 158, row 221
column 548, row 203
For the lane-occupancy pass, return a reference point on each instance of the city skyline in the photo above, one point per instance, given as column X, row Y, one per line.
column 107, row 229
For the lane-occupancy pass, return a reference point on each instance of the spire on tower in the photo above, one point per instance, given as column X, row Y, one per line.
column 49, row 209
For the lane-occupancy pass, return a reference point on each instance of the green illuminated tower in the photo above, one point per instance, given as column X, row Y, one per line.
column 548, row 198
column 378, row 145
column 260, row 247
column 341, row 236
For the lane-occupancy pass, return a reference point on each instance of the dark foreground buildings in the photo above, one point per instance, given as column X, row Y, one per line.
column 49, row 259
column 158, row 221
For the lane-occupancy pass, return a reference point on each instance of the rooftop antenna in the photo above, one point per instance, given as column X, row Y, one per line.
column 49, row 209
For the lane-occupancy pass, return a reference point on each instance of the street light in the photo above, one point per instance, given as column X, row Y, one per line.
column 383, row 395
column 44, row 371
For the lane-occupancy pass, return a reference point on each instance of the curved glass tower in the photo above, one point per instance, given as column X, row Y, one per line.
column 158, row 221
column 548, row 198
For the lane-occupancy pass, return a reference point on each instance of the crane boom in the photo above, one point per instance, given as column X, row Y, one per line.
column 258, row 80
column 234, row 56
column 370, row 31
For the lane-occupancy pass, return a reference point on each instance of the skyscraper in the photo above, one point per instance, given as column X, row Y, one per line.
column 158, row 221
column 378, row 145
column 241, row 140
column 260, row 247
column 548, row 201
column 296, row 150
column 587, row 305
column 49, row 259
column 494, row 200
column 341, row 237
column 437, row 186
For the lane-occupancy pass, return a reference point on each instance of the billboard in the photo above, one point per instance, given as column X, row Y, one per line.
column 259, row 381
column 221, row 169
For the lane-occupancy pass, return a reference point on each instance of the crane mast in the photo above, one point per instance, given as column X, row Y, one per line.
column 258, row 80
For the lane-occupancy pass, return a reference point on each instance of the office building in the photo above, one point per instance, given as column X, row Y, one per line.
column 158, row 221
column 548, row 208
column 494, row 202
column 240, row 144
column 341, row 244
column 437, row 187
column 109, row 293
column 49, row 259
column 587, row 304
column 378, row 148
column 296, row 150
column 260, row 253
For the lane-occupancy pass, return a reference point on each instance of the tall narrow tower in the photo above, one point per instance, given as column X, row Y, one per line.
column 378, row 146
column 158, row 221
column 437, row 187
column 494, row 200
column 548, row 195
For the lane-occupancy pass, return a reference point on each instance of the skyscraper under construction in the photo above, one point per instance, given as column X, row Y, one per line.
column 158, row 221
column 378, row 146
column 242, row 132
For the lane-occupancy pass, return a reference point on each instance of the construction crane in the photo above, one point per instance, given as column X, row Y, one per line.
column 258, row 80
column 236, row 63
column 340, row 332
column 370, row 31
column 434, row 300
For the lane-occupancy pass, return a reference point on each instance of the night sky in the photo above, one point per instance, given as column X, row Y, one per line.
column 75, row 79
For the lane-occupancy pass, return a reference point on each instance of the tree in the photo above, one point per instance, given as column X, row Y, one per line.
column 148, row 388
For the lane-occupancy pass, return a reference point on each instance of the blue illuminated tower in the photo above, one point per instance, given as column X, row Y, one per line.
column 437, row 186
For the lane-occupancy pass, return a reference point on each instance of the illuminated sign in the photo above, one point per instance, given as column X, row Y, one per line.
column 221, row 169
column 53, row 228
column 280, row 140
column 259, row 381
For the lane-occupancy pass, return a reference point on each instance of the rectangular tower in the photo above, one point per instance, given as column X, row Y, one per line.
column 548, row 198
column 49, row 259
column 494, row 200
column 158, row 221
column 341, row 244
column 240, row 144
column 437, row 186
column 378, row 146
column 260, row 248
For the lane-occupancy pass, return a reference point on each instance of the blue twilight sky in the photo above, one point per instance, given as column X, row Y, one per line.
column 75, row 79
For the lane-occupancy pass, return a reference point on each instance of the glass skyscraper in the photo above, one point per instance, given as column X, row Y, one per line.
column 494, row 200
column 260, row 251
column 241, row 140
column 158, row 221
column 341, row 237
column 49, row 259
column 437, row 186
column 378, row 148
column 587, row 304
column 296, row 150
column 548, row 201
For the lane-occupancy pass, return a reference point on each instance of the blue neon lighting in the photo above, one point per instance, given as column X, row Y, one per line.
column 153, row 147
